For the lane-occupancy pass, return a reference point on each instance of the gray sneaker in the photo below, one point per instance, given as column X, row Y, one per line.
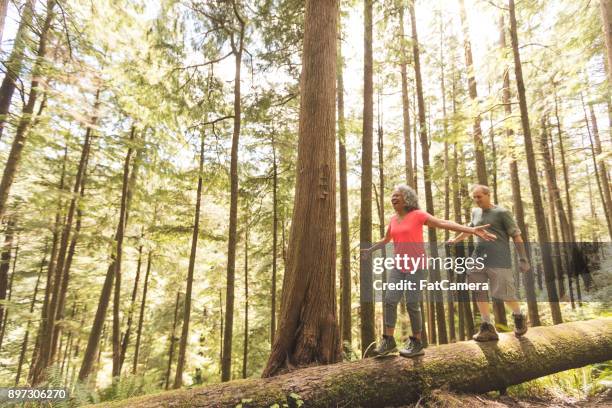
column 414, row 347
column 486, row 333
column 520, row 324
column 387, row 345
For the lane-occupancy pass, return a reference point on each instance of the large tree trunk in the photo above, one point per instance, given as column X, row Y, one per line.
column 366, row 307
column 538, row 208
column 180, row 364
column 308, row 330
column 14, row 157
column 345, row 250
column 14, row 64
column 395, row 381
column 433, row 242
column 226, row 361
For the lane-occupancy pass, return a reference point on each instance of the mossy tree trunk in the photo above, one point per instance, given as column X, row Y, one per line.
column 397, row 381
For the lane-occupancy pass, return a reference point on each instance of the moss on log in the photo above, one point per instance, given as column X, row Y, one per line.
column 393, row 380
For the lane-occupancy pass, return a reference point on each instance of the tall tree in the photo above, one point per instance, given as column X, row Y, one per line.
column 517, row 200
column 345, row 263
column 308, row 330
column 180, row 364
column 143, row 303
column 113, row 274
column 119, row 239
column 366, row 309
column 427, row 176
column 538, row 208
column 410, row 180
column 479, row 153
column 237, row 50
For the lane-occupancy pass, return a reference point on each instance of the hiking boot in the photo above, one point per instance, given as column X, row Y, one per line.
column 387, row 345
column 486, row 333
column 413, row 348
column 520, row 324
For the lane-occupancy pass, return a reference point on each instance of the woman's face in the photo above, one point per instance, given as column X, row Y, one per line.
column 397, row 200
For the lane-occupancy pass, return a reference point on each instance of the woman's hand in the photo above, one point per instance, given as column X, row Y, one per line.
column 484, row 234
column 365, row 253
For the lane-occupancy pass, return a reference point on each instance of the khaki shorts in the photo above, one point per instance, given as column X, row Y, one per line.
column 501, row 283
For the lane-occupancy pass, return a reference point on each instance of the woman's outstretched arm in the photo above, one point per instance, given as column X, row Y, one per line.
column 380, row 244
column 453, row 226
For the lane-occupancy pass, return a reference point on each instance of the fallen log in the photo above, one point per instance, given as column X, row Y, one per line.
column 391, row 381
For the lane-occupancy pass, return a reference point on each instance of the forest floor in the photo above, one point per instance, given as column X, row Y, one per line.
column 445, row 399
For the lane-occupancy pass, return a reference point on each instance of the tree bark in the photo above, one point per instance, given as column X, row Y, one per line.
column 366, row 307
column 14, row 157
column 345, row 250
column 308, row 331
column 538, row 208
column 468, row 367
column 180, row 364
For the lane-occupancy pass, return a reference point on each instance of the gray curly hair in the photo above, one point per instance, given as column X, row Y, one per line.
column 410, row 197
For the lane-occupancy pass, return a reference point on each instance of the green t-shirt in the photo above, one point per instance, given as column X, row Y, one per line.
column 496, row 253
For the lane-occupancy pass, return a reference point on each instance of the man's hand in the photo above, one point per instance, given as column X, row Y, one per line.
column 484, row 234
column 524, row 265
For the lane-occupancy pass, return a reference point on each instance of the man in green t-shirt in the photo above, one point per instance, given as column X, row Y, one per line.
column 497, row 262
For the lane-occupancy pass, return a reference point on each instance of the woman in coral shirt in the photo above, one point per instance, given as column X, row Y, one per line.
column 406, row 231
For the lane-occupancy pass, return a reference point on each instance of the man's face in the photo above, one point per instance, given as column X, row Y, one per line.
column 482, row 199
